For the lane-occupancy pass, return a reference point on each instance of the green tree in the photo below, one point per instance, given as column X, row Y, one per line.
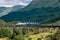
column 5, row 32
column 29, row 38
column 49, row 37
column 39, row 39
column 19, row 37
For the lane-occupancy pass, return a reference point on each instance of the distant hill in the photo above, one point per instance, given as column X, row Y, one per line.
column 17, row 7
column 6, row 10
column 2, row 9
column 44, row 11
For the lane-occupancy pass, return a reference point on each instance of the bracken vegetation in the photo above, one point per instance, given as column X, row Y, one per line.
column 20, row 33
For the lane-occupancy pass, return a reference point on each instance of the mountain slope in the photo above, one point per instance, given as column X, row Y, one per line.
column 17, row 7
column 38, row 10
column 41, row 3
column 6, row 10
column 38, row 14
column 2, row 9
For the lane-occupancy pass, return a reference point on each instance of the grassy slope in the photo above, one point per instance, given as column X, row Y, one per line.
column 4, row 38
column 34, row 37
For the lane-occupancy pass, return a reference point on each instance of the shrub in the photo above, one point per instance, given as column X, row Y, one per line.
column 18, row 37
column 50, row 37
column 29, row 38
column 39, row 39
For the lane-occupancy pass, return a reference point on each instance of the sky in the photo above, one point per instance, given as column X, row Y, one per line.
column 10, row 3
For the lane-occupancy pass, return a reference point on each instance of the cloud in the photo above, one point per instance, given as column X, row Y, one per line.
column 9, row 3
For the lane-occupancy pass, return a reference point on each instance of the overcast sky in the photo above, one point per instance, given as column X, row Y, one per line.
column 10, row 3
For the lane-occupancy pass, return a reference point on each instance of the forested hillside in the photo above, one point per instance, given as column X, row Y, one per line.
column 50, row 14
